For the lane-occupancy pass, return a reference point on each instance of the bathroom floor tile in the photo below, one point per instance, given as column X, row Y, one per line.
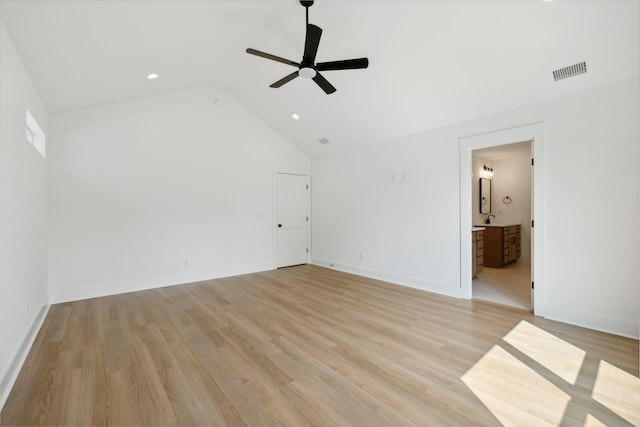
column 509, row 285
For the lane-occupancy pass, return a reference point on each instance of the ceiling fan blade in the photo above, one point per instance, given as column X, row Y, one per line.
column 272, row 57
column 347, row 64
column 324, row 84
column 284, row 80
column 311, row 43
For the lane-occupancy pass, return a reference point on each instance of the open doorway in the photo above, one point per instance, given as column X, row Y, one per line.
column 535, row 133
column 502, row 200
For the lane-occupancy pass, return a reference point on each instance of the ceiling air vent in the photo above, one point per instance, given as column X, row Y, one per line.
column 323, row 141
column 570, row 71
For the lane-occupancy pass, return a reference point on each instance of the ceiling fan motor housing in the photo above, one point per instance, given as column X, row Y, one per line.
column 306, row 3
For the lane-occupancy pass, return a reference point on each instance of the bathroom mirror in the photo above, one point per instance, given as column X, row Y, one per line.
column 485, row 195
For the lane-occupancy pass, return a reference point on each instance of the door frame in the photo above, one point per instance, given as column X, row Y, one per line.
column 535, row 133
column 289, row 171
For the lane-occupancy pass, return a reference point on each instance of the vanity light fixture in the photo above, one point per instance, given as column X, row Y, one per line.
column 487, row 172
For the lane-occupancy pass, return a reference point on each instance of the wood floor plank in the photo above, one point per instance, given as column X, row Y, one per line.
column 309, row 346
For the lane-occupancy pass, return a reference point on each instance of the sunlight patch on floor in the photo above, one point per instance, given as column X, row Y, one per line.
column 515, row 393
column 533, row 380
column 555, row 354
column 592, row 421
column 619, row 391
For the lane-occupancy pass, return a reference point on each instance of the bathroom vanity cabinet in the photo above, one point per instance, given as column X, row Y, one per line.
column 477, row 250
column 501, row 244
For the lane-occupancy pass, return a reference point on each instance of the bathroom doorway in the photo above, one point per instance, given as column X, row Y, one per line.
column 534, row 134
column 502, row 201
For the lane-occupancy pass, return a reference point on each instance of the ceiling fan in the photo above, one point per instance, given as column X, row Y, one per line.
column 308, row 68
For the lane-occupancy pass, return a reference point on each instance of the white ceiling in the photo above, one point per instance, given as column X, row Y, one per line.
column 432, row 63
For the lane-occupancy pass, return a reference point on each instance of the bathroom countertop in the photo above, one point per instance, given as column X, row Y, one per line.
column 477, row 228
column 498, row 224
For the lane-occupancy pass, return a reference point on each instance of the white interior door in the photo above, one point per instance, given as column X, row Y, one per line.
column 292, row 219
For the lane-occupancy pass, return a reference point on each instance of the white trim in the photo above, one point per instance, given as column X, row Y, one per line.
column 396, row 279
column 155, row 282
column 534, row 132
column 598, row 322
column 8, row 378
column 289, row 171
column 292, row 171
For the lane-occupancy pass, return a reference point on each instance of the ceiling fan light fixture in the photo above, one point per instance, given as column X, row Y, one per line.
column 307, row 72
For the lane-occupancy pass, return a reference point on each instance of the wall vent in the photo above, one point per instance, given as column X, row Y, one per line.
column 570, row 71
column 323, row 141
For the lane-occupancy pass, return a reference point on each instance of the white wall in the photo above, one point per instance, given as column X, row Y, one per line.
column 23, row 290
column 409, row 231
column 136, row 188
column 512, row 177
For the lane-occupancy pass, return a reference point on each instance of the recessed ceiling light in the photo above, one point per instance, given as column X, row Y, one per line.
column 152, row 76
column 295, row 116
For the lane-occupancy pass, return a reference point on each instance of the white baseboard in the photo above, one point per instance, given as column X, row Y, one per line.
column 154, row 282
column 571, row 316
column 598, row 322
column 8, row 378
column 410, row 282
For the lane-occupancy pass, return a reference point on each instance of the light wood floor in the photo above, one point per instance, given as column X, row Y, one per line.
column 312, row 346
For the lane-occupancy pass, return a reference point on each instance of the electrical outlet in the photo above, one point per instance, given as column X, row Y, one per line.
column 186, row 261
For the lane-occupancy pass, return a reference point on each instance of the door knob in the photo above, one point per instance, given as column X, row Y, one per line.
column 279, row 225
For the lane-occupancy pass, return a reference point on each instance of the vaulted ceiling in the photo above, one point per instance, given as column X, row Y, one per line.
column 432, row 63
